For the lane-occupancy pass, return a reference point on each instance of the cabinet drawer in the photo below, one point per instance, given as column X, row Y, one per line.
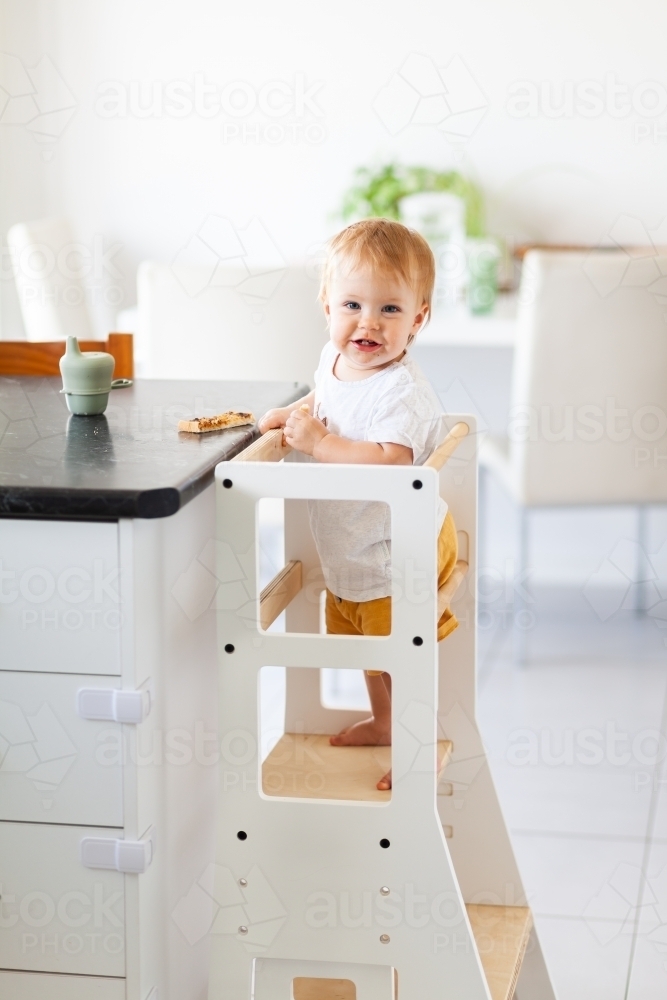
column 38, row 986
column 54, row 766
column 59, row 597
column 58, row 916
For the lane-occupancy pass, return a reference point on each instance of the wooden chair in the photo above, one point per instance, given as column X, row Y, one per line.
column 49, row 282
column 23, row 357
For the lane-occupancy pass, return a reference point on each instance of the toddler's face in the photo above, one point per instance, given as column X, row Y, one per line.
column 371, row 317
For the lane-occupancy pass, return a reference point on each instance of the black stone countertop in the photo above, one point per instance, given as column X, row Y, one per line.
column 130, row 462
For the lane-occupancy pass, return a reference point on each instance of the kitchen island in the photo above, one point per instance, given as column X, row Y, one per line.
column 109, row 760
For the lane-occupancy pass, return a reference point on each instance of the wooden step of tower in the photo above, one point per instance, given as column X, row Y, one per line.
column 501, row 934
column 306, row 766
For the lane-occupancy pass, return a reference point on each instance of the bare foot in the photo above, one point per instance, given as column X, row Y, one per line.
column 369, row 733
column 376, row 730
column 363, row 734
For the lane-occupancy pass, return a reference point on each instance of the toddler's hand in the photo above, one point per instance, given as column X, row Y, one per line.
column 304, row 432
column 273, row 418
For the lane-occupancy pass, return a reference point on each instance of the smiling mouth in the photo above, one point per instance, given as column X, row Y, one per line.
column 366, row 345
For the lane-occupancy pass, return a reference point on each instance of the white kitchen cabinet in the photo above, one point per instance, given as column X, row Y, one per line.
column 28, row 986
column 56, row 767
column 64, row 778
column 59, row 597
column 60, row 917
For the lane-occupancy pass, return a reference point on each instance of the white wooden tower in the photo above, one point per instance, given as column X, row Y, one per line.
column 327, row 888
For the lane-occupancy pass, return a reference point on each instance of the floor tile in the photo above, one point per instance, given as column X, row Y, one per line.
column 648, row 980
column 596, row 716
column 659, row 781
column 621, row 637
column 562, row 624
column 571, row 876
column 586, row 961
column 570, row 800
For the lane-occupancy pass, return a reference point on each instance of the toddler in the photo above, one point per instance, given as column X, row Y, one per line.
column 371, row 405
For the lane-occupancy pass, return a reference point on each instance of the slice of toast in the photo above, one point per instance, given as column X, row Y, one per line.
column 220, row 422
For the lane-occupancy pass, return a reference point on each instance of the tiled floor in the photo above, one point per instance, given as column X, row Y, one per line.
column 576, row 731
column 573, row 736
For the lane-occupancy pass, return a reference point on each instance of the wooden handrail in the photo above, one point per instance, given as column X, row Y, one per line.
column 270, row 447
column 279, row 592
column 448, row 590
column 448, row 446
column 286, row 585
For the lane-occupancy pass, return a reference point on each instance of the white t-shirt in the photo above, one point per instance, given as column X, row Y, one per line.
column 396, row 405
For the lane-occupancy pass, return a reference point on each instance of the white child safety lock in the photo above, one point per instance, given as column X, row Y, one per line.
column 112, row 705
column 130, row 856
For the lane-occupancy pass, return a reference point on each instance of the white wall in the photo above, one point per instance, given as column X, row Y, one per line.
column 148, row 183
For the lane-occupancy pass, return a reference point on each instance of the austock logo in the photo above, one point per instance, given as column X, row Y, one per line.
column 36, row 746
column 219, row 903
column 447, row 98
column 626, row 567
column 626, row 897
column 220, row 255
column 36, row 98
column 639, row 263
column 272, row 112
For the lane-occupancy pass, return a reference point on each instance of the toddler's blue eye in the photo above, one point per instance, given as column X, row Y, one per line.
column 352, row 305
column 391, row 308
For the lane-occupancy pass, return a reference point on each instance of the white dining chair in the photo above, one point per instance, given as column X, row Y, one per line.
column 189, row 326
column 588, row 417
column 48, row 266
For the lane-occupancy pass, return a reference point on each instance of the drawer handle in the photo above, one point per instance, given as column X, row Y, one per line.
column 129, row 856
column 112, row 705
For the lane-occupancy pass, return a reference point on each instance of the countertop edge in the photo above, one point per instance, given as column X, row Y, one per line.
column 67, row 503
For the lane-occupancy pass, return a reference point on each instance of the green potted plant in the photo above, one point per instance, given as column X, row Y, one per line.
column 378, row 192
column 448, row 209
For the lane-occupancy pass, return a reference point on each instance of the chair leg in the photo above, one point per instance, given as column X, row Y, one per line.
column 641, row 601
column 520, row 583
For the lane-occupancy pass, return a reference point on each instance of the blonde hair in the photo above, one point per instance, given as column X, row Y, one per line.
column 388, row 247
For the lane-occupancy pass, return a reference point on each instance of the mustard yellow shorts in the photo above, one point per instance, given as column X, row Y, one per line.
column 374, row 617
